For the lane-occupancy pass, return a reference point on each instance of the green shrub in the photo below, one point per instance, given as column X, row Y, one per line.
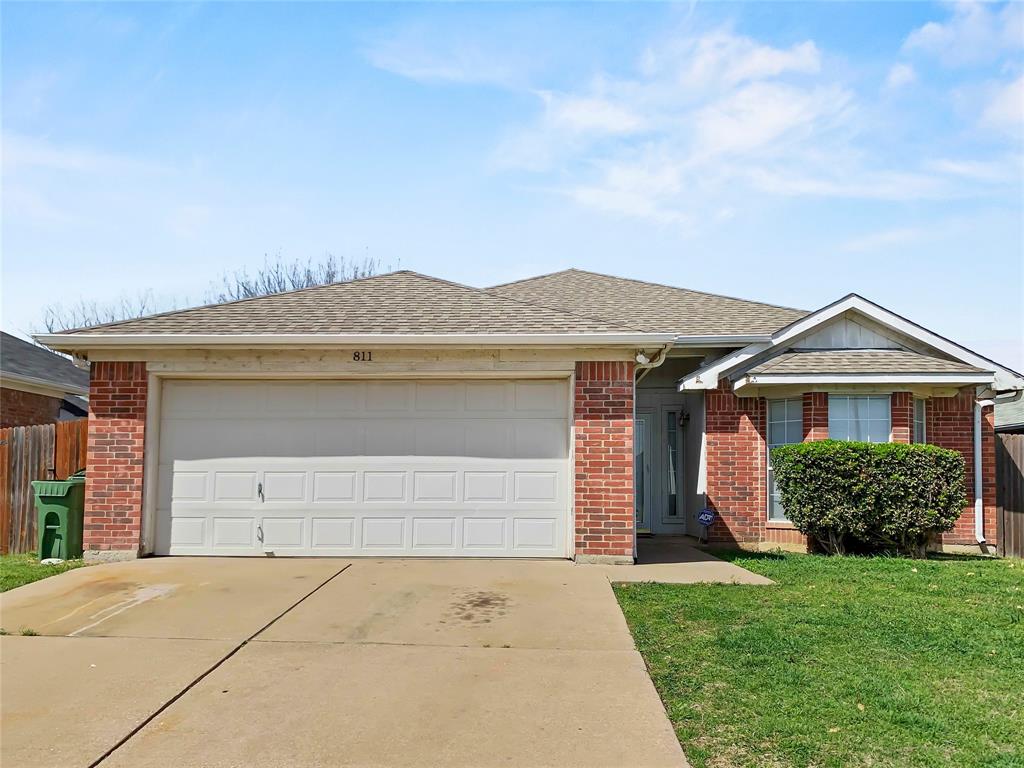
column 889, row 496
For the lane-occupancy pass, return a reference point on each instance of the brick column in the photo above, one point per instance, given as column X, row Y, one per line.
column 736, row 466
column 815, row 416
column 603, row 426
column 113, row 488
column 951, row 425
column 902, row 416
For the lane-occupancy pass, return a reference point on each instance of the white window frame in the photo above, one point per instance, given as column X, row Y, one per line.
column 769, row 480
column 915, row 436
column 861, row 395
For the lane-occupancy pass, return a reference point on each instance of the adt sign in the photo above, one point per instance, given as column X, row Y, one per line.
column 706, row 517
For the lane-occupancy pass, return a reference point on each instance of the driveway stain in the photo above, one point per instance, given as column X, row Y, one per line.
column 477, row 607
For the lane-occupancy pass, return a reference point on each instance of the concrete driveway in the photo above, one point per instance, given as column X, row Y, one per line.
column 252, row 662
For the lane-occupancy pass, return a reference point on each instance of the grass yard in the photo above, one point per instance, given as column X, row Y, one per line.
column 16, row 570
column 847, row 661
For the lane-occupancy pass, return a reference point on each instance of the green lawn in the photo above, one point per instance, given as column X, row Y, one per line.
column 845, row 662
column 16, row 570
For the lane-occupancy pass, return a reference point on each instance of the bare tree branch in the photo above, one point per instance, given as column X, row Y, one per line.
column 275, row 276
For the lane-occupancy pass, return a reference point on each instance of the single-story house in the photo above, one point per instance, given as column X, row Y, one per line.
column 38, row 386
column 558, row 416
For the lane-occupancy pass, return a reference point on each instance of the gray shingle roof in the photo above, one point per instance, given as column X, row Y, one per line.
column 649, row 306
column 395, row 303
column 858, row 361
column 25, row 360
column 1009, row 414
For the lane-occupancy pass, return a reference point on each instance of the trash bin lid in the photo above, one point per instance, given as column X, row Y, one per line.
column 51, row 487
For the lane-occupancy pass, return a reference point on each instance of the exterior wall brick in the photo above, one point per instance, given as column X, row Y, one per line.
column 815, row 416
column 736, row 466
column 603, row 429
column 117, row 427
column 950, row 424
column 18, row 408
column 901, row 412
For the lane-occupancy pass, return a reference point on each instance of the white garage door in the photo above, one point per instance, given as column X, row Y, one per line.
column 431, row 468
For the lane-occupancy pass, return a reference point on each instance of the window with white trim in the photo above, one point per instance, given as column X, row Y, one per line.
column 920, row 420
column 785, row 425
column 865, row 418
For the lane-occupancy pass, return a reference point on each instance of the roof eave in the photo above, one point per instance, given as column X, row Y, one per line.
column 77, row 342
column 940, row 379
column 58, row 388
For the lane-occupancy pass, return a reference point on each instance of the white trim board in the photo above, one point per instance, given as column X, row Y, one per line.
column 707, row 377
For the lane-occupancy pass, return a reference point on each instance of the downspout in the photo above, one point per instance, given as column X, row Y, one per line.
column 979, row 501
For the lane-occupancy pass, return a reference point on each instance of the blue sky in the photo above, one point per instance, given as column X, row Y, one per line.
column 789, row 152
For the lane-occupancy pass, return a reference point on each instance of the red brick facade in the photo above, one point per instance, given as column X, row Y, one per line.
column 815, row 416
column 113, row 488
column 901, row 411
column 18, row 408
column 950, row 424
column 603, row 422
column 737, row 472
column 736, row 466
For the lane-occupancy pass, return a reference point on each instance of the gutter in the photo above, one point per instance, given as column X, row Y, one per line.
column 650, row 365
column 86, row 341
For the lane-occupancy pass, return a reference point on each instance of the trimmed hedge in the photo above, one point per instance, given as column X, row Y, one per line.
column 874, row 496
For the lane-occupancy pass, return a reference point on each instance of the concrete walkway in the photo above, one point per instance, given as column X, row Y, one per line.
column 252, row 662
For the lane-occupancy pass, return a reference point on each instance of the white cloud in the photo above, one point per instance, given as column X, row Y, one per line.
column 885, row 238
column 1005, row 109
column 975, row 32
column 723, row 58
column 31, row 152
column 591, row 115
column 900, row 75
column 710, row 122
column 759, row 115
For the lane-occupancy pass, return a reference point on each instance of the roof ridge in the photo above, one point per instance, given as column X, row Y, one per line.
column 528, row 279
column 656, row 285
column 522, row 302
column 182, row 310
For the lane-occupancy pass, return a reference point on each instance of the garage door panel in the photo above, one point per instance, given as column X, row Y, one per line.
column 380, row 468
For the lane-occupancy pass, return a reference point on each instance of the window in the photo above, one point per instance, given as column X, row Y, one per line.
column 672, row 462
column 859, row 417
column 785, row 425
column 920, row 431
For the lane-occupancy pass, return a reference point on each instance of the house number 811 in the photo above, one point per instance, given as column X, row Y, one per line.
column 362, row 357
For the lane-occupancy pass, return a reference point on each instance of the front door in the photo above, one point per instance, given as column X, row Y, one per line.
column 658, row 451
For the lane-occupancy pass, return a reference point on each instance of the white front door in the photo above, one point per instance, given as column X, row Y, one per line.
column 430, row 468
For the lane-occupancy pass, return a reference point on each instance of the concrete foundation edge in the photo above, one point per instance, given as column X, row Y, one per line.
column 604, row 560
column 109, row 555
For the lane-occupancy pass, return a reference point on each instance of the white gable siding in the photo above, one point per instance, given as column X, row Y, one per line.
column 846, row 333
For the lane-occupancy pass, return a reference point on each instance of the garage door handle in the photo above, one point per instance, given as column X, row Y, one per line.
column 259, row 491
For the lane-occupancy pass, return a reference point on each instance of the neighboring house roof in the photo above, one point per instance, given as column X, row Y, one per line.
column 395, row 303
column 1010, row 414
column 859, row 361
column 25, row 363
column 650, row 306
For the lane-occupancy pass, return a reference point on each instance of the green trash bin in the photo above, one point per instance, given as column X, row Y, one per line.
column 60, row 505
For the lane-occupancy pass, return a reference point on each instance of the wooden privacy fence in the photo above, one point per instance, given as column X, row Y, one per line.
column 1010, row 494
column 42, row 452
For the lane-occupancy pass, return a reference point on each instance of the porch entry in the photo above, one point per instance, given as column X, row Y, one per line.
column 658, row 444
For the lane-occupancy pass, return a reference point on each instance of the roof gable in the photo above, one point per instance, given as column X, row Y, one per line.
column 650, row 306
column 395, row 303
column 839, row 324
